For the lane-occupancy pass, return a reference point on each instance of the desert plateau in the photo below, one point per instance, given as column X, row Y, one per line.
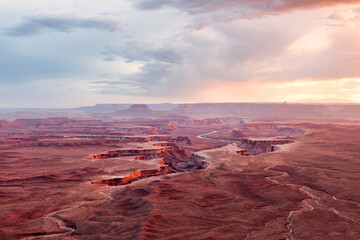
column 179, row 176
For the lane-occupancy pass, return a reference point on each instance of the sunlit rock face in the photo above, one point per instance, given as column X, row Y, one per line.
column 135, row 176
column 149, row 153
column 242, row 152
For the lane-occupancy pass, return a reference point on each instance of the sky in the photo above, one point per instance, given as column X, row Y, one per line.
column 73, row 53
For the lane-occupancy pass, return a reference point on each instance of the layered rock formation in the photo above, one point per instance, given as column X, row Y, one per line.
column 242, row 152
column 196, row 162
column 162, row 170
column 270, row 130
column 149, row 153
column 257, row 146
column 174, row 159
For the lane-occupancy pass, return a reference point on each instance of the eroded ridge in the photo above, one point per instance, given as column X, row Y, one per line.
column 257, row 138
column 172, row 160
column 162, row 170
column 148, row 153
column 258, row 146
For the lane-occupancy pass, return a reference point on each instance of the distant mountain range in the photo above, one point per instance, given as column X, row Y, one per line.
column 249, row 111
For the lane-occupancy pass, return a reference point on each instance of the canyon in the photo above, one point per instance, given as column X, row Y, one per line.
column 190, row 171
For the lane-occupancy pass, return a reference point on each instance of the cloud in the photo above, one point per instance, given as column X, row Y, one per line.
column 118, row 87
column 213, row 11
column 150, row 79
column 240, row 55
column 253, row 51
column 252, row 7
column 133, row 51
column 32, row 25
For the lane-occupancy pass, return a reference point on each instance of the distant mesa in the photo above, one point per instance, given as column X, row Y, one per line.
column 138, row 108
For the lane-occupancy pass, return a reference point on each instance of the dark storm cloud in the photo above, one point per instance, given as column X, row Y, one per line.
column 133, row 51
column 244, row 8
column 32, row 25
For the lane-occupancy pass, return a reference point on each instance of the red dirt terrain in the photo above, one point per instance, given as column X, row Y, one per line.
column 178, row 178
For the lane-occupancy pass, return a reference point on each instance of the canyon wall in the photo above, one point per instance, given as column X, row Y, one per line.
column 261, row 146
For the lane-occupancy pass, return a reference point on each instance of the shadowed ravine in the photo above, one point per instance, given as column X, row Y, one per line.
column 175, row 159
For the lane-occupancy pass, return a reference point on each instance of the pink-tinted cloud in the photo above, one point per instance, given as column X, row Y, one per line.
column 208, row 12
column 245, row 8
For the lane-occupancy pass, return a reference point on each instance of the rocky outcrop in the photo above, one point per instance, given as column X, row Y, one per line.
column 157, row 138
column 141, row 157
column 162, row 161
column 242, row 152
column 164, row 144
column 162, row 170
column 261, row 146
column 195, row 162
column 150, row 131
column 149, row 153
column 270, row 130
column 173, row 158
